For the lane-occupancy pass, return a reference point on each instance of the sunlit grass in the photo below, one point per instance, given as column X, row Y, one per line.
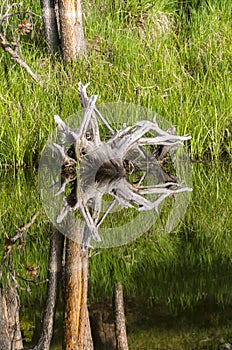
column 159, row 55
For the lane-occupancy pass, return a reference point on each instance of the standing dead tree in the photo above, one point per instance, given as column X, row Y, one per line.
column 50, row 24
column 71, row 29
column 63, row 24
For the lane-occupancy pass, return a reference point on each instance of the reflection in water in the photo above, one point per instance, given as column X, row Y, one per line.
column 183, row 275
column 138, row 167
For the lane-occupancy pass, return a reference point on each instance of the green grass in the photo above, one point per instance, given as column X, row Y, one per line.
column 19, row 202
column 178, row 269
column 181, row 268
column 163, row 55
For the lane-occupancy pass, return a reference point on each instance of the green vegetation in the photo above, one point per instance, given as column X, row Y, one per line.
column 171, row 56
column 181, row 268
column 175, row 58
column 178, row 270
column 19, row 202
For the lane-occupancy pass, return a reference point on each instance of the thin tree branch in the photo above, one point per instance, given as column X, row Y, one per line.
column 5, row 17
column 4, row 43
column 12, row 240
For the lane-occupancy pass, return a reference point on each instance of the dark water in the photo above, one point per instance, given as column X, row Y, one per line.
column 178, row 287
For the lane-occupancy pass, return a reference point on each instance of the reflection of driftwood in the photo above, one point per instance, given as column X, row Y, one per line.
column 120, row 323
column 5, row 342
column 10, row 334
column 54, row 274
column 104, row 166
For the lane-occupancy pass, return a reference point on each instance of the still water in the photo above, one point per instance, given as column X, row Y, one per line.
column 178, row 287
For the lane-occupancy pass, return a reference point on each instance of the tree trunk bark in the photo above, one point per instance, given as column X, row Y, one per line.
column 5, row 343
column 10, row 334
column 50, row 24
column 54, row 275
column 71, row 29
column 120, row 322
column 76, row 324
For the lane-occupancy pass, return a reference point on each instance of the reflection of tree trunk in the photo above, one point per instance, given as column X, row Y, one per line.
column 50, row 24
column 71, row 30
column 120, row 322
column 54, row 275
column 103, row 328
column 109, row 329
column 10, row 334
column 5, row 342
column 76, row 324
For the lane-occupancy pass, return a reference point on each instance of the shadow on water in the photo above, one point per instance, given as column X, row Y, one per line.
column 178, row 287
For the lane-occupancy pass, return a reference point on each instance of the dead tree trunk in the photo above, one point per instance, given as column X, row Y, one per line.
column 10, row 334
column 71, row 29
column 50, row 24
column 54, row 275
column 5, row 342
column 120, row 323
column 77, row 332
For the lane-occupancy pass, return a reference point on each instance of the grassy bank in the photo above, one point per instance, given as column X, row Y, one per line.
column 173, row 57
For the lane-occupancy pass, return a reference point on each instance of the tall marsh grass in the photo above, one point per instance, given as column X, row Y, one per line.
column 173, row 57
column 182, row 268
